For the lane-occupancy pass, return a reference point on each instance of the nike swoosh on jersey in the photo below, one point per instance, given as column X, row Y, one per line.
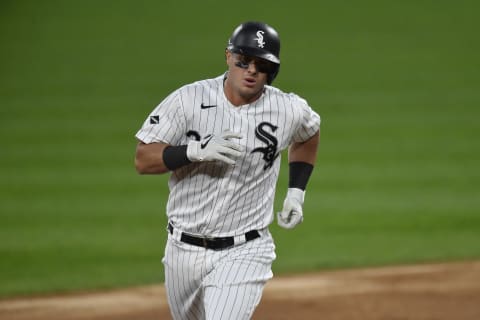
column 206, row 141
column 202, row 106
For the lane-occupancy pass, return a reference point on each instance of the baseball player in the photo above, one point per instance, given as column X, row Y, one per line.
column 220, row 139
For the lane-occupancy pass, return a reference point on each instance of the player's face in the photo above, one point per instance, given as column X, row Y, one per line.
column 246, row 77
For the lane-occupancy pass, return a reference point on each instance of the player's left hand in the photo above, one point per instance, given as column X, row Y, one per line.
column 292, row 212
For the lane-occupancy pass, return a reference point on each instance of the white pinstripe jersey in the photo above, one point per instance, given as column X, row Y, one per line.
column 213, row 198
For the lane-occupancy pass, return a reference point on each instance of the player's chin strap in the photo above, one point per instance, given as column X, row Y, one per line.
column 292, row 212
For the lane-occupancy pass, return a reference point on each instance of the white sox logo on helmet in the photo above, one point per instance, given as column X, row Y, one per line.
column 259, row 38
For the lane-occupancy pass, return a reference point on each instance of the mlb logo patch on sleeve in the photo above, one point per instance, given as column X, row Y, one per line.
column 154, row 119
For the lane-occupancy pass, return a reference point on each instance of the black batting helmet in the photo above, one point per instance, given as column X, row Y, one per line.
column 257, row 39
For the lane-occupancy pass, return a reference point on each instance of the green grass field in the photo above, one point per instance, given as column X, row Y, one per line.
column 397, row 84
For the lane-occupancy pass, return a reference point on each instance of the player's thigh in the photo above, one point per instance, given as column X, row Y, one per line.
column 183, row 280
column 232, row 302
column 233, row 289
column 184, row 264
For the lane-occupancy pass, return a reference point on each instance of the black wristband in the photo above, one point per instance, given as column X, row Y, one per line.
column 299, row 174
column 175, row 157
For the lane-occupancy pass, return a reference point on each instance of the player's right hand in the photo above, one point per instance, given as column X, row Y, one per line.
column 216, row 148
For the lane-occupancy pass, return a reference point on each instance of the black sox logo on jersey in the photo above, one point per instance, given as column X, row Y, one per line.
column 270, row 151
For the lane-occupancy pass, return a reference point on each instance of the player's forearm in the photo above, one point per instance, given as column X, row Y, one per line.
column 302, row 157
column 305, row 151
column 149, row 158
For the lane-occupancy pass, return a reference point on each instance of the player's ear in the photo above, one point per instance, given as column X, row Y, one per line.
column 228, row 54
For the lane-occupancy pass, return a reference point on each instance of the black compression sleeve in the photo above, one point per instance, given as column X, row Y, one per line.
column 175, row 157
column 299, row 174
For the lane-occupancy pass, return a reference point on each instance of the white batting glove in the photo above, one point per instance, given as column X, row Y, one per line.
column 216, row 148
column 292, row 213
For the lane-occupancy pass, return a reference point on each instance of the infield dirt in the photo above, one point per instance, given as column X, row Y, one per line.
column 427, row 291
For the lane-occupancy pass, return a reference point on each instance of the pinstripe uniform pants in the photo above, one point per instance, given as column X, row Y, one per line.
column 208, row 284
